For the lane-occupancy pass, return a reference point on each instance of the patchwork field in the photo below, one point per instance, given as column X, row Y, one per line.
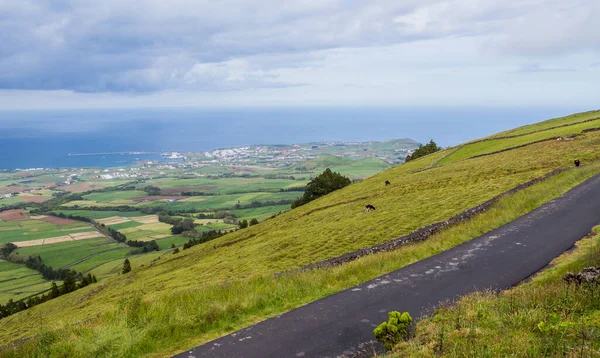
column 18, row 227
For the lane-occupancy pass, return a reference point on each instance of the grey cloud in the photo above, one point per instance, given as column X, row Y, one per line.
column 140, row 46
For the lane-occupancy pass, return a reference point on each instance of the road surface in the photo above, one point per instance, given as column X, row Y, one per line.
column 342, row 324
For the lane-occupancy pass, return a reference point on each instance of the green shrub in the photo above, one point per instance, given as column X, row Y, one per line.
column 423, row 150
column 323, row 184
column 394, row 330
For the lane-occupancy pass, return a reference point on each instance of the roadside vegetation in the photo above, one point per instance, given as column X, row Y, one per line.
column 546, row 317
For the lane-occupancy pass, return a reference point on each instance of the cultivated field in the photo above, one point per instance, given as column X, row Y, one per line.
column 18, row 227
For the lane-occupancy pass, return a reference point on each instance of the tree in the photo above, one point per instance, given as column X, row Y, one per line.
column 423, row 150
column 182, row 226
column 176, row 251
column 126, row 266
column 54, row 292
column 69, row 284
column 243, row 224
column 323, row 184
column 152, row 190
column 253, row 222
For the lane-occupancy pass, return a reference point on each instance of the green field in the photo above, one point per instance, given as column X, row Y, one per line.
column 18, row 281
column 469, row 150
column 261, row 213
column 99, row 214
column 168, row 241
column 66, row 253
column 114, row 197
column 574, row 118
column 126, row 225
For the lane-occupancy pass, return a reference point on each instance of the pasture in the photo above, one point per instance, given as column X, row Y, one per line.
column 18, row 281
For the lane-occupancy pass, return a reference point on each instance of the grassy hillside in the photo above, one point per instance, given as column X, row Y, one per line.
column 217, row 287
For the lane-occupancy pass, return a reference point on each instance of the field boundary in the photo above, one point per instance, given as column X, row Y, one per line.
column 89, row 257
column 532, row 132
column 425, row 232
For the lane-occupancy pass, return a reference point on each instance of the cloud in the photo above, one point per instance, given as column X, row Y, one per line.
column 320, row 46
column 536, row 67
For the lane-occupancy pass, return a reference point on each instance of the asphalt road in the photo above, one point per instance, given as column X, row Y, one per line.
column 342, row 324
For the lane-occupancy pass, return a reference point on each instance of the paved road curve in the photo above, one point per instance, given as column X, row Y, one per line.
column 341, row 324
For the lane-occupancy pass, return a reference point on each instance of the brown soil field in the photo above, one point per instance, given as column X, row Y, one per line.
column 31, row 242
column 12, row 189
column 58, row 221
column 33, row 198
column 54, row 240
column 113, row 220
column 150, row 219
column 179, row 190
column 13, row 215
column 85, row 235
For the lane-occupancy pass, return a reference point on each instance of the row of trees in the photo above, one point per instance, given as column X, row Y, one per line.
column 242, row 224
column 201, row 237
column 71, row 281
column 180, row 225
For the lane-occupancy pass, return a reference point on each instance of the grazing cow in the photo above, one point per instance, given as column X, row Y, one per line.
column 577, row 162
column 387, row 182
column 369, row 207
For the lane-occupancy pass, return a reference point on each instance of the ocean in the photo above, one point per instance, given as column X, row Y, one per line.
column 44, row 139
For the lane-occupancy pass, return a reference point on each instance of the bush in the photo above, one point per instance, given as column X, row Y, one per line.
column 323, row 184
column 394, row 330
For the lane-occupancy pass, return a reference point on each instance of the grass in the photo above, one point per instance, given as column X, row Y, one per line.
column 162, row 324
column 64, row 253
column 17, row 281
column 541, row 318
column 260, row 213
column 114, row 196
column 574, row 118
column 185, row 300
column 166, row 243
column 126, row 225
column 469, row 150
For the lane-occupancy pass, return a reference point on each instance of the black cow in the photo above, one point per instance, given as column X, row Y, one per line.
column 387, row 182
column 577, row 162
column 369, row 207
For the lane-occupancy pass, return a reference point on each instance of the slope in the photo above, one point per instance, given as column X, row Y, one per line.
column 331, row 226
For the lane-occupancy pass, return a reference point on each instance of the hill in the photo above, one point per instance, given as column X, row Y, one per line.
column 217, row 287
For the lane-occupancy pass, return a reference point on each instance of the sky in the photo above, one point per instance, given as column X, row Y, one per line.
column 228, row 53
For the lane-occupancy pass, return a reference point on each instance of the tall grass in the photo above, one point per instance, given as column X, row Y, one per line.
column 161, row 325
